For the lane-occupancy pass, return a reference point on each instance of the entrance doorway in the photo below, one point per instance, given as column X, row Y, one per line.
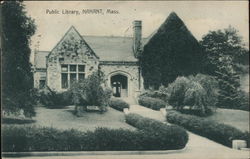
column 119, row 85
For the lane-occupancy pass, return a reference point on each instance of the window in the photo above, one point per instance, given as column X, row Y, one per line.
column 72, row 78
column 71, row 74
column 64, row 80
column 64, row 68
column 72, row 68
column 81, row 68
column 41, row 84
column 81, row 76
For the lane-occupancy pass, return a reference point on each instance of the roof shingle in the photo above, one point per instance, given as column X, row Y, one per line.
column 108, row 48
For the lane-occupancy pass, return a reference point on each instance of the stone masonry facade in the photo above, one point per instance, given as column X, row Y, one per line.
column 72, row 59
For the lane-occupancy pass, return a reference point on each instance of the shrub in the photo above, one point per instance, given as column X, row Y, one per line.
column 52, row 99
column 159, row 94
column 152, row 103
column 20, row 103
column 118, row 104
column 19, row 139
column 243, row 101
column 159, row 135
column 90, row 92
column 198, row 92
column 217, row 132
column 242, row 104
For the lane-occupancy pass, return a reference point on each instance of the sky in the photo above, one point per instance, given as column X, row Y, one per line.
column 199, row 16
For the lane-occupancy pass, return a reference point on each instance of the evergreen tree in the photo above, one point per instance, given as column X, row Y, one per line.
column 17, row 78
column 225, row 51
column 172, row 51
column 228, row 82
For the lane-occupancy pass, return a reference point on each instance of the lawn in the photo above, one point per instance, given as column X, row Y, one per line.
column 65, row 119
column 235, row 118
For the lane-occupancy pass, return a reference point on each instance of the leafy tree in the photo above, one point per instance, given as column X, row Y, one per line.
column 225, row 51
column 171, row 52
column 91, row 92
column 220, row 43
column 198, row 92
column 17, row 78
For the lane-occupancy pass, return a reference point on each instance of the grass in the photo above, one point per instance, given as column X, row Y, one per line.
column 236, row 118
column 65, row 119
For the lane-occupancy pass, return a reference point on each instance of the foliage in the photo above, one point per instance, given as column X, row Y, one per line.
column 53, row 99
column 159, row 94
column 118, row 104
column 152, row 103
column 90, row 92
column 198, row 92
column 243, row 102
column 172, row 51
column 28, row 138
column 223, row 43
column 17, row 78
column 217, row 132
column 225, row 54
column 229, row 83
column 161, row 135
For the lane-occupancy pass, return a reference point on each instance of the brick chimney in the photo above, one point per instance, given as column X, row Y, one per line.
column 137, row 27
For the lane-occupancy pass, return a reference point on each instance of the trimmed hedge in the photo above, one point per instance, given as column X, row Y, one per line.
column 20, row 139
column 243, row 103
column 118, row 104
column 215, row 131
column 159, row 135
column 152, row 103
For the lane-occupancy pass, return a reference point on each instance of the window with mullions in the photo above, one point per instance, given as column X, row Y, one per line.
column 71, row 73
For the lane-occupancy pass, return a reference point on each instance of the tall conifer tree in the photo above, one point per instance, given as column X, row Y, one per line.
column 17, row 78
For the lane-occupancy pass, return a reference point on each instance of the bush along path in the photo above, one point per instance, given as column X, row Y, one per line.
column 197, row 145
column 221, row 133
column 150, row 135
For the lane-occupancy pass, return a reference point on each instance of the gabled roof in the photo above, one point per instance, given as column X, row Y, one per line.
column 110, row 48
column 73, row 29
column 107, row 48
column 168, row 25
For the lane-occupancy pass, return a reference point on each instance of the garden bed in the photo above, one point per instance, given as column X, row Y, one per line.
column 152, row 103
column 160, row 135
column 118, row 104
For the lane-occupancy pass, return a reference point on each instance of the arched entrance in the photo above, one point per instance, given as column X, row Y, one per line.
column 119, row 84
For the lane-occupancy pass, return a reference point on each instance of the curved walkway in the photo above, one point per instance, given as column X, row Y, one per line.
column 197, row 146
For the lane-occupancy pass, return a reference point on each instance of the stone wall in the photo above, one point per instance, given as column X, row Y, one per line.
column 129, row 69
column 39, row 75
column 72, row 49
